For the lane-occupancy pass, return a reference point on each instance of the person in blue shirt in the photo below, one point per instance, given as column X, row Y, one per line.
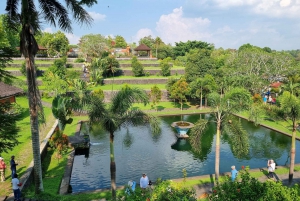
column 13, row 166
column 234, row 173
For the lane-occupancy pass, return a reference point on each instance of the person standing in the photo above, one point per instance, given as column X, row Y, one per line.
column 234, row 173
column 271, row 168
column 15, row 186
column 144, row 181
column 2, row 169
column 13, row 166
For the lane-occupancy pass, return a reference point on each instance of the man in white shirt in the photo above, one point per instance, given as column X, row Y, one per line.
column 144, row 181
column 15, row 186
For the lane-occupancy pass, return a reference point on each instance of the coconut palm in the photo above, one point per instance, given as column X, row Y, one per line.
column 290, row 106
column 222, row 108
column 117, row 114
column 158, row 41
column 25, row 14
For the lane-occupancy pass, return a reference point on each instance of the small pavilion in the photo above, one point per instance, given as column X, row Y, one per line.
column 143, row 47
column 8, row 93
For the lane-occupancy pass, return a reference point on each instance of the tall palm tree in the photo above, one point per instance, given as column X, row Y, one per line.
column 158, row 41
column 25, row 13
column 223, row 106
column 120, row 113
column 290, row 106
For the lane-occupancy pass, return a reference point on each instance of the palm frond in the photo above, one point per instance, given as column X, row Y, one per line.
column 123, row 100
column 88, row 3
column 238, row 136
column 97, row 110
column 197, row 133
column 78, row 11
column 12, row 20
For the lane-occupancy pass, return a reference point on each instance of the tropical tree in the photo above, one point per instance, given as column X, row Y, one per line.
column 155, row 95
column 9, row 115
column 62, row 110
column 117, row 114
column 25, row 13
column 137, row 67
column 120, row 42
column 290, row 106
column 158, row 42
column 93, row 45
column 222, row 107
column 179, row 91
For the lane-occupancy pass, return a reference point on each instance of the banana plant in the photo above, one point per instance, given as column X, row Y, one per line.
column 62, row 110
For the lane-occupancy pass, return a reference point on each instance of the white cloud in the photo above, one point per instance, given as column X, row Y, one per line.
column 142, row 33
column 73, row 39
column 175, row 27
column 97, row 16
column 48, row 29
column 272, row 8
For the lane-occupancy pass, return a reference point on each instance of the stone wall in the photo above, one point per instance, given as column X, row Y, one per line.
column 136, row 81
column 153, row 72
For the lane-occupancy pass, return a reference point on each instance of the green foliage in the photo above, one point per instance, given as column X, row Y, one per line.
column 61, row 110
column 155, row 95
column 93, row 45
column 199, row 63
column 109, row 66
column 180, row 61
column 250, row 189
column 165, row 68
column 148, row 40
column 79, row 60
column 137, row 67
column 72, row 74
column 23, row 68
column 180, row 90
column 99, row 93
column 9, row 115
column 182, row 48
column 58, row 68
column 165, row 51
column 120, row 41
column 59, row 142
column 171, row 81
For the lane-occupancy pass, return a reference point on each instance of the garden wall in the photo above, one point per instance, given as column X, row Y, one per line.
column 136, row 81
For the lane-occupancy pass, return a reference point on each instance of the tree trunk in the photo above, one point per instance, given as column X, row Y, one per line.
column 33, row 99
column 217, row 159
column 112, row 167
column 201, row 96
column 293, row 149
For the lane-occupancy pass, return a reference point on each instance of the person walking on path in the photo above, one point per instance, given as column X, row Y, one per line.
column 234, row 173
column 2, row 169
column 16, row 187
column 144, row 181
column 13, row 166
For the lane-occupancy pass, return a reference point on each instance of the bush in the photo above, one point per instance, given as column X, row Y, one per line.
column 137, row 67
column 147, row 74
column 79, row 60
column 23, row 69
column 165, row 68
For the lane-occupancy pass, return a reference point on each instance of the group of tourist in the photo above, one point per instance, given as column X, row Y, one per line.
column 269, row 99
column 144, row 183
column 271, row 170
column 15, row 181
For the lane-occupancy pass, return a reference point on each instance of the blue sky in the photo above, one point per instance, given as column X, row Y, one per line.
column 225, row 23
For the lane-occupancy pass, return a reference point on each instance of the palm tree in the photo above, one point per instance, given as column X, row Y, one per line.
column 234, row 100
column 290, row 105
column 158, row 41
column 25, row 13
column 120, row 113
column 62, row 110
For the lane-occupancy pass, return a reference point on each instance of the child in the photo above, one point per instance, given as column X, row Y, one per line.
column 15, row 186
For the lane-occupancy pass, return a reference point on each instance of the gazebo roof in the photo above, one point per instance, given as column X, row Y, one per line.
column 142, row 47
column 7, row 90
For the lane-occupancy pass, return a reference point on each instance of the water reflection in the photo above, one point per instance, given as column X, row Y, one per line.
column 163, row 156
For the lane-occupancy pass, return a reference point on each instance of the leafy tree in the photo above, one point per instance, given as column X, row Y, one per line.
column 179, row 91
column 120, row 113
column 165, row 68
column 59, row 142
column 164, row 51
column 290, row 106
column 137, row 67
column 11, row 37
column 155, row 95
column 158, row 42
column 147, row 40
column 57, row 44
column 182, row 48
column 120, row 42
column 171, row 81
column 203, row 86
column 9, row 115
column 24, row 13
column 93, row 45
column 199, row 62
column 235, row 100
column 109, row 66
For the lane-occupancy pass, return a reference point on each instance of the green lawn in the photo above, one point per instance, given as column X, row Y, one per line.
column 144, row 77
column 36, row 62
column 141, row 61
column 155, row 68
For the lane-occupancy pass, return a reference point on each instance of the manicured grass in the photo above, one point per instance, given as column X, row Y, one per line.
column 155, row 68
column 142, row 61
column 23, row 151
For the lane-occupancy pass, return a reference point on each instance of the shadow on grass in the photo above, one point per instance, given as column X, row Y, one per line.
column 184, row 106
